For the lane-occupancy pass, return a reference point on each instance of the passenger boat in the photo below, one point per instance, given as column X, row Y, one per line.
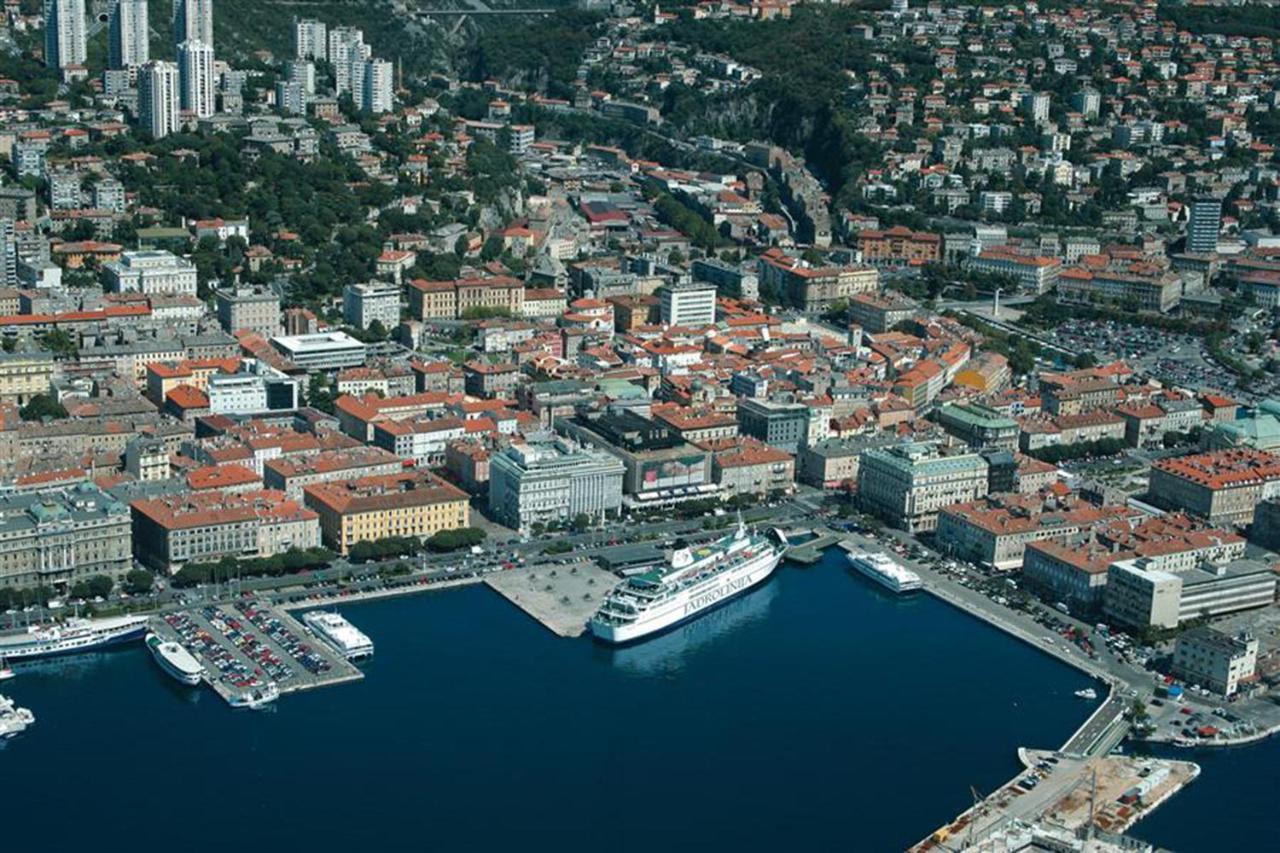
column 175, row 660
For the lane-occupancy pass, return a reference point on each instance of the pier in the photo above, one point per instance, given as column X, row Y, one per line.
column 245, row 646
column 561, row 597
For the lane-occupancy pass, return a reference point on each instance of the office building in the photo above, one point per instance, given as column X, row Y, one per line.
column 978, row 426
column 1223, row 487
column 310, row 39
column 412, row 503
column 553, row 481
column 688, row 304
column 321, row 351
column 662, row 469
column 1032, row 273
column 128, row 38
column 1216, row 661
column 362, row 304
column 1141, row 596
column 158, row 102
column 782, row 425
column 193, row 21
column 1204, row 225
column 55, row 538
column 65, row 33
column 197, row 83
column 150, row 271
column 256, row 308
column 256, row 388
column 899, row 247
column 205, row 526
column 908, row 484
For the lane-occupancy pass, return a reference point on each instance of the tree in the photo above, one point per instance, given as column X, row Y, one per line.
column 453, row 540
column 94, row 586
column 318, row 394
column 42, row 406
column 581, row 522
column 138, row 581
column 60, row 342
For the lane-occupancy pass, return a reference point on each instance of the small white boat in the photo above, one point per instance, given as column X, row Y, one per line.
column 13, row 720
column 1087, row 693
column 256, row 698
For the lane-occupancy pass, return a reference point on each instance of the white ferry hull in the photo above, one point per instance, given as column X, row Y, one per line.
column 689, row 604
column 89, row 641
column 887, row 583
column 190, row 677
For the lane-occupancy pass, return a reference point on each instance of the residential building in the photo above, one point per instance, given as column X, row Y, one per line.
column 810, row 288
column 197, row 82
column 291, row 475
column 310, row 39
column 375, row 94
column 255, row 308
column 996, row 531
column 542, row 482
column 908, row 484
column 65, row 25
column 1216, row 661
column 899, row 246
column 1204, row 225
column 879, row 312
column 128, row 38
column 24, row 375
column 158, row 101
column 193, row 21
column 205, row 526
column 752, row 468
column 409, row 504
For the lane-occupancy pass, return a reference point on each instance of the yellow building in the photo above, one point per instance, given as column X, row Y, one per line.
column 24, row 375
column 412, row 503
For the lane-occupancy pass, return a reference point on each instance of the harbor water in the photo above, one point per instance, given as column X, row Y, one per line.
column 817, row 712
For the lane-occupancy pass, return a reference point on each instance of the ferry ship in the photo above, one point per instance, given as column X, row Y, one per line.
column 884, row 571
column 13, row 720
column 350, row 641
column 175, row 660
column 692, row 582
column 72, row 636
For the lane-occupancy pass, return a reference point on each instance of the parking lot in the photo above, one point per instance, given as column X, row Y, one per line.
column 247, row 645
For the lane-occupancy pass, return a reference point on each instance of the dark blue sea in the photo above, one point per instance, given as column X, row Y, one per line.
column 815, row 713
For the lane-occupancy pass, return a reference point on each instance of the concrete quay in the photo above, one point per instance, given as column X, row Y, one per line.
column 561, row 597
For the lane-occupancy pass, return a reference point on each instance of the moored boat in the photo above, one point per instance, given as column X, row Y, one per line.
column 175, row 660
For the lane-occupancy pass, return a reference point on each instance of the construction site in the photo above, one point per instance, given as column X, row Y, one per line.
column 1074, row 797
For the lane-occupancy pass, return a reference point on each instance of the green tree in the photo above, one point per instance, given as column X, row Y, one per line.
column 138, row 581
column 42, row 406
